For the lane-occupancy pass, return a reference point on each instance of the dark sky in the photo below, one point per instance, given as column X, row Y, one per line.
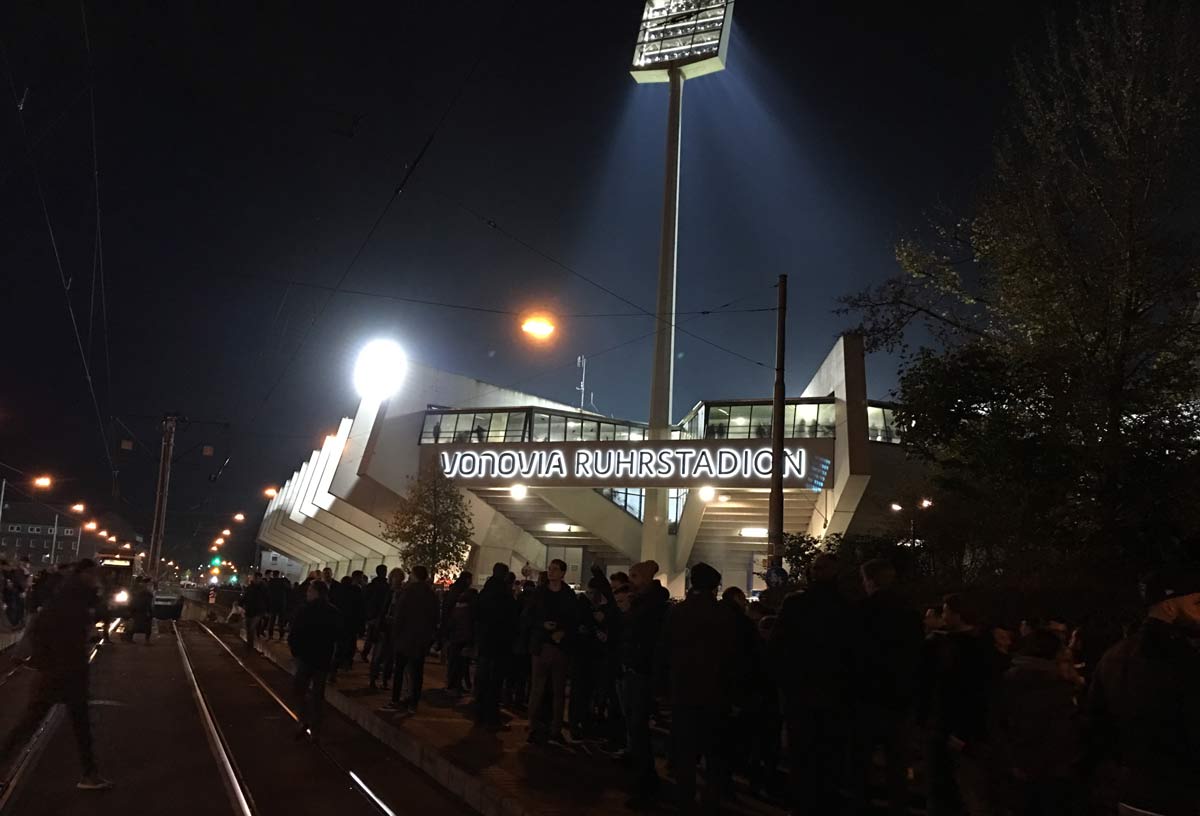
column 242, row 147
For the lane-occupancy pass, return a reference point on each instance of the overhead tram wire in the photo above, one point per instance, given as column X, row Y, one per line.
column 62, row 275
column 565, row 267
column 408, row 173
column 98, row 247
column 591, row 355
column 473, row 308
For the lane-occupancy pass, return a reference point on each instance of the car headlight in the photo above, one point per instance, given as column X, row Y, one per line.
column 121, row 597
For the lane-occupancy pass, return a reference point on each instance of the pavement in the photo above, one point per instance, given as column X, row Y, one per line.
column 495, row 773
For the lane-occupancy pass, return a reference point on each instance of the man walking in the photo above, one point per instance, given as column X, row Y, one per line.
column 554, row 614
column 416, row 615
column 314, row 634
column 1143, row 706
column 256, row 603
column 61, row 662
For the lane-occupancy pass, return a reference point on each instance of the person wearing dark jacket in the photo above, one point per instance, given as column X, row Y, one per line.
column 279, row 590
column 554, row 616
column 416, row 617
column 886, row 645
column 498, row 611
column 698, row 651
column 141, row 612
column 375, row 601
column 60, row 660
column 958, row 679
column 810, row 657
column 350, row 604
column 459, row 632
column 257, row 603
column 640, row 632
column 1144, row 710
column 383, row 657
column 313, row 638
column 1035, row 730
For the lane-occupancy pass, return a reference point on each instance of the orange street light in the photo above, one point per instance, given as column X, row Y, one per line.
column 239, row 516
column 226, row 532
column 219, row 541
column 270, row 492
column 538, row 326
column 78, row 507
column 43, row 482
column 126, row 546
column 91, row 525
column 213, row 548
column 112, row 538
column 103, row 533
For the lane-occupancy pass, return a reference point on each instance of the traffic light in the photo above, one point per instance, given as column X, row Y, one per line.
column 216, row 561
column 233, row 579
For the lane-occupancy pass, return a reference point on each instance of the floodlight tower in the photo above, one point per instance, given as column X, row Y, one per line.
column 678, row 40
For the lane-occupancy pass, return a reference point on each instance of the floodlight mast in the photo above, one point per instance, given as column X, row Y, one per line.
column 679, row 39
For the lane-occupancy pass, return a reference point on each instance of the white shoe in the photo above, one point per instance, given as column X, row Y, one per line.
column 93, row 782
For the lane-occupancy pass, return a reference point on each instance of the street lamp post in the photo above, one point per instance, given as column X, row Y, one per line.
column 676, row 41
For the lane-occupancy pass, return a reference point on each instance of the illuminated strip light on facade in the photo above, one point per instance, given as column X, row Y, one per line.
column 635, row 464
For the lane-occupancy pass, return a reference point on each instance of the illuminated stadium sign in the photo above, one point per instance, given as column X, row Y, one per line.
column 624, row 464
column 692, row 35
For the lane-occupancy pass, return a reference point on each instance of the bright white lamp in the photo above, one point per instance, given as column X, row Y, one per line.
column 379, row 370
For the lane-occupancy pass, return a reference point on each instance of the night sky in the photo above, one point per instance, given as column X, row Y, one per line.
column 240, row 150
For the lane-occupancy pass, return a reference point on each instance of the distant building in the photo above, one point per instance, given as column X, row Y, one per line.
column 30, row 532
column 45, row 534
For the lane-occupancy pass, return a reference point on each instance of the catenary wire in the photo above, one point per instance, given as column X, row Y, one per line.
column 571, row 270
column 473, row 308
column 62, row 275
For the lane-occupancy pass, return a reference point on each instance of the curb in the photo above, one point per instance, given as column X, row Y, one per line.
column 477, row 794
column 8, row 639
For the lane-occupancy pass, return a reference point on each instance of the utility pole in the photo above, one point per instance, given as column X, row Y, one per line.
column 169, row 423
column 581, row 363
column 54, row 540
column 775, row 508
column 3, row 485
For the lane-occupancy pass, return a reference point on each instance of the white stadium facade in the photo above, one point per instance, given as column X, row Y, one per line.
column 545, row 480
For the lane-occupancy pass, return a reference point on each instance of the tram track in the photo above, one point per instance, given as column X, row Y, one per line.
column 246, row 722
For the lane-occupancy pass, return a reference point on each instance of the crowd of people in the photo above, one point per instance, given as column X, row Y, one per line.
column 868, row 699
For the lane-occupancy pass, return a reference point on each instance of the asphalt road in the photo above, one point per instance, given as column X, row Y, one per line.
column 148, row 741
column 151, row 743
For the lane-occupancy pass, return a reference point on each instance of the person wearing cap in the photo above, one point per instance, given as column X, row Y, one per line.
column 1144, row 706
column 698, row 652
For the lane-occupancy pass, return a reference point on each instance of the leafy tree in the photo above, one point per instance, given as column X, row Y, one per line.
column 1057, row 396
column 432, row 526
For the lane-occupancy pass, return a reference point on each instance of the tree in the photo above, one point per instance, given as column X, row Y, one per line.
column 1059, row 388
column 432, row 526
